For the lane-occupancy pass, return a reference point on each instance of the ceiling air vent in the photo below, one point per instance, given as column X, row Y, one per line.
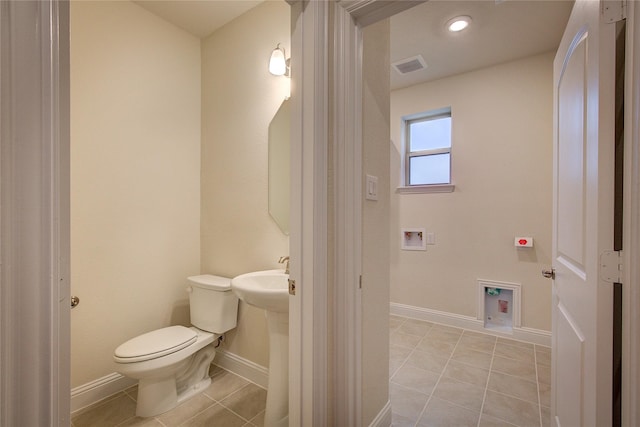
column 409, row 65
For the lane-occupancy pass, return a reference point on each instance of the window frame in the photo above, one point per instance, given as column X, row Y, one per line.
column 408, row 154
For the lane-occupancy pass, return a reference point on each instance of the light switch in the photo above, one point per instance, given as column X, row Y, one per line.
column 431, row 238
column 371, row 188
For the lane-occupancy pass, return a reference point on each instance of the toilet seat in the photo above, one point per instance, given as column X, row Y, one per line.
column 155, row 344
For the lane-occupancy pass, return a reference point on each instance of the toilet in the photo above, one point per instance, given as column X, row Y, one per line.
column 172, row 364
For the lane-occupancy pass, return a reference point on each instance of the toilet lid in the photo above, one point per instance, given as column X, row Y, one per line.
column 155, row 344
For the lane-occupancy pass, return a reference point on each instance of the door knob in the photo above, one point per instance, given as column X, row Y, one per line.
column 549, row 274
column 74, row 301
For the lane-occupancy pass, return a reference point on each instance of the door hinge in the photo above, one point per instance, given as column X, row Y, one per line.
column 360, row 282
column 611, row 266
column 613, row 11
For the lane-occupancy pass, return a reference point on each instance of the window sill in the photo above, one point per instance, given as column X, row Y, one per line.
column 426, row 189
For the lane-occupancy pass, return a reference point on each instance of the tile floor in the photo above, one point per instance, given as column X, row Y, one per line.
column 439, row 376
column 230, row 401
column 444, row 376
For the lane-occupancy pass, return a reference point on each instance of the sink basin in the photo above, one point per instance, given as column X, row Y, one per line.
column 267, row 289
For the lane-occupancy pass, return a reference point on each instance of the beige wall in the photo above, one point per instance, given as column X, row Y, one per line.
column 501, row 151
column 375, row 221
column 239, row 99
column 135, row 177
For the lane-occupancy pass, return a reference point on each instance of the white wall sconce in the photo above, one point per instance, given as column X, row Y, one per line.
column 278, row 63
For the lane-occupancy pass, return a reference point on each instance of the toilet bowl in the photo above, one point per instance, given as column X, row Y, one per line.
column 172, row 363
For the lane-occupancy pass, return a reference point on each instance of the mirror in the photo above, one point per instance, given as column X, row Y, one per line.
column 279, row 174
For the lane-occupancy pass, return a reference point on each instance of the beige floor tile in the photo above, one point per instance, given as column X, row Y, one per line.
column 513, row 386
column 475, row 342
column 258, row 420
column 141, row 422
column 397, row 357
column 510, row 409
column 478, row 335
column 518, row 368
column 526, row 354
column 398, row 353
column 186, row 410
column 515, row 342
column 215, row 416
column 406, row 403
column 545, row 414
column 543, row 355
column 395, row 322
column 450, row 336
column 398, row 420
column 223, row 383
column 415, row 378
column 435, row 347
column 449, row 329
column 471, row 357
column 487, row 421
column 133, row 392
column 461, row 394
column 404, row 340
column 427, row 361
column 544, row 374
column 415, row 327
column 467, row 374
column 544, row 394
column 247, row 402
column 393, row 368
column 440, row 413
column 108, row 413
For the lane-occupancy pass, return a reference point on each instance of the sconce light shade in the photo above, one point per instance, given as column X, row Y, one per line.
column 278, row 62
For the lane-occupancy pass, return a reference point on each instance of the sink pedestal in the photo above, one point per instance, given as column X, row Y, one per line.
column 277, row 410
column 269, row 290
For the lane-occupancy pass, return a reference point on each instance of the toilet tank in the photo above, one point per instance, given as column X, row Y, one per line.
column 214, row 307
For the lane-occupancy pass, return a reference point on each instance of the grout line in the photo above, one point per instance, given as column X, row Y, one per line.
column 486, row 386
column 232, row 411
column 535, row 364
column 441, row 374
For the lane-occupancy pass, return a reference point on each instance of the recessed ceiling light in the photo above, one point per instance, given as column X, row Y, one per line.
column 458, row 23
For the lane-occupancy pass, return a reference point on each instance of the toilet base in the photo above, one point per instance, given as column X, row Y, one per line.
column 159, row 395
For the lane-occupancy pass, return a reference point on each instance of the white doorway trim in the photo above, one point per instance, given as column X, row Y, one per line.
column 631, row 242
column 326, row 172
column 34, row 213
column 308, row 237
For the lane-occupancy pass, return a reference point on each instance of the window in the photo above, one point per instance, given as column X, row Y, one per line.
column 428, row 149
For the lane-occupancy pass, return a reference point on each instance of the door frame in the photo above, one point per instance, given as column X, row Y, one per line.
column 631, row 218
column 34, row 214
column 326, row 250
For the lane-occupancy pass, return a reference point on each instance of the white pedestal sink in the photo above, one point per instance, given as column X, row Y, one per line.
column 270, row 290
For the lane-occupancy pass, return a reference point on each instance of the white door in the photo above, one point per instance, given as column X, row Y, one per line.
column 584, row 79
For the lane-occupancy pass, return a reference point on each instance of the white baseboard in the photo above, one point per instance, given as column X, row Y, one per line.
column 255, row 373
column 94, row 391
column 383, row 419
column 534, row 336
column 97, row 390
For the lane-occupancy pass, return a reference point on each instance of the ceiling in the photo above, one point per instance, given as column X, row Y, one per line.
column 501, row 30
column 198, row 17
